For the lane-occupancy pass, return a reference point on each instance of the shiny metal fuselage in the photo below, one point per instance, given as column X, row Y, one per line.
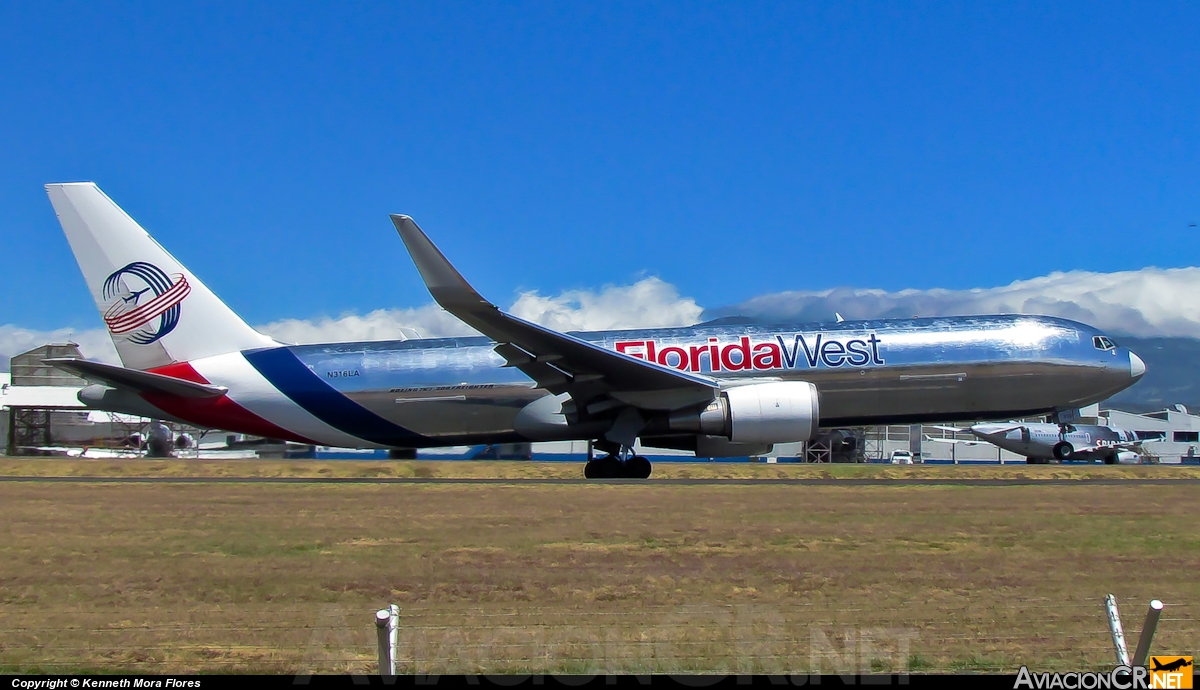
column 454, row 391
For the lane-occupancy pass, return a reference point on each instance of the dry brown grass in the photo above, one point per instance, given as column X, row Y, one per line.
column 628, row 577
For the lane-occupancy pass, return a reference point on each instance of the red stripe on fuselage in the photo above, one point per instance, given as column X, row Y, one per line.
column 214, row 413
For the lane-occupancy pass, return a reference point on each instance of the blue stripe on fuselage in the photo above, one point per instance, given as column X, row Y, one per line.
column 298, row 382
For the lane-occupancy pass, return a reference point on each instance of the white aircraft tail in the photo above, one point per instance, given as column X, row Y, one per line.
column 156, row 311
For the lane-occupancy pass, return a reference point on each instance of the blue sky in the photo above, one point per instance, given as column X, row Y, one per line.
column 731, row 150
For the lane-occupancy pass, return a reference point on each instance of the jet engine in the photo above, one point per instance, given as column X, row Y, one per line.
column 777, row 412
column 1128, row 457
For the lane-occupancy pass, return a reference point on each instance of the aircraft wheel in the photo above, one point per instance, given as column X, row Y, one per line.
column 606, row 467
column 1110, row 460
column 1032, row 461
column 637, row 467
column 1063, row 450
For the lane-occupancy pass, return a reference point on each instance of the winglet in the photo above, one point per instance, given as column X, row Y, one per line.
column 445, row 283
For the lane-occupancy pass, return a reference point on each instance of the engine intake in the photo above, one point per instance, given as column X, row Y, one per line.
column 777, row 412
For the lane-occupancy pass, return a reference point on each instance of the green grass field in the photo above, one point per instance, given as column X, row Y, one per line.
column 512, row 577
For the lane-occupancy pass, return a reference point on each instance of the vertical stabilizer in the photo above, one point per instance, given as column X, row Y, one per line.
column 156, row 311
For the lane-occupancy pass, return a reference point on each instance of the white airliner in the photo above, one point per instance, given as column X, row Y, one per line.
column 1043, row 443
column 717, row 390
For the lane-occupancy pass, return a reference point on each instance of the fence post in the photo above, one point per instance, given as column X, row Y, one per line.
column 1143, row 648
column 393, row 634
column 1118, row 635
column 383, row 633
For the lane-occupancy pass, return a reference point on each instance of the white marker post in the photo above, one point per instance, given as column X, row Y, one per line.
column 393, row 635
column 1118, row 634
column 1143, row 648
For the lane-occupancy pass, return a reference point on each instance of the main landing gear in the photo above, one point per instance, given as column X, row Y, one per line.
column 611, row 466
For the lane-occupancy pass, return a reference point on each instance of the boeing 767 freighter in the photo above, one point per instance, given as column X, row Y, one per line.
column 717, row 390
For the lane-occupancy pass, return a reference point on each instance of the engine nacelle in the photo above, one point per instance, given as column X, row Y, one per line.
column 1128, row 457
column 777, row 412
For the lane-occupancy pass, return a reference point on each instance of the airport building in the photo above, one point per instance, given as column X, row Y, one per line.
column 1171, row 435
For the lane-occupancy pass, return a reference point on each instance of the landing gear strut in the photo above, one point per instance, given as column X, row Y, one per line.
column 611, row 466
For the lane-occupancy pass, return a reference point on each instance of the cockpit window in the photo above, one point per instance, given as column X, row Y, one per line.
column 1103, row 343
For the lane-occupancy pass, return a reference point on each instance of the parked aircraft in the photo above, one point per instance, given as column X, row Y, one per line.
column 716, row 390
column 1042, row 443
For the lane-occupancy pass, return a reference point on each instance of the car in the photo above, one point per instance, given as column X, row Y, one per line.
column 902, row 457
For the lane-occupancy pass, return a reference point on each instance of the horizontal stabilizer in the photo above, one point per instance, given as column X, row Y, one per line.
column 133, row 379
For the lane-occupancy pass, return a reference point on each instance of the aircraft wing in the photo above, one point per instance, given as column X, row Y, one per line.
column 952, row 440
column 1005, row 430
column 957, row 430
column 558, row 362
column 133, row 379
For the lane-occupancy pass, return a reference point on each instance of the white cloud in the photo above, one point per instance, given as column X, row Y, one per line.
column 1148, row 302
column 647, row 303
column 430, row 321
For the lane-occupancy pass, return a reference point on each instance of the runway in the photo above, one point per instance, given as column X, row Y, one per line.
column 629, row 482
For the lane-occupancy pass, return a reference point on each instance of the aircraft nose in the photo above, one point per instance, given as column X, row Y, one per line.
column 1136, row 366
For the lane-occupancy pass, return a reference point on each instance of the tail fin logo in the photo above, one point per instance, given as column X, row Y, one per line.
column 143, row 302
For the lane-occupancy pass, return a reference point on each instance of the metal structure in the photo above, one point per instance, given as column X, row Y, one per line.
column 817, row 451
column 1118, row 633
column 1142, row 654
